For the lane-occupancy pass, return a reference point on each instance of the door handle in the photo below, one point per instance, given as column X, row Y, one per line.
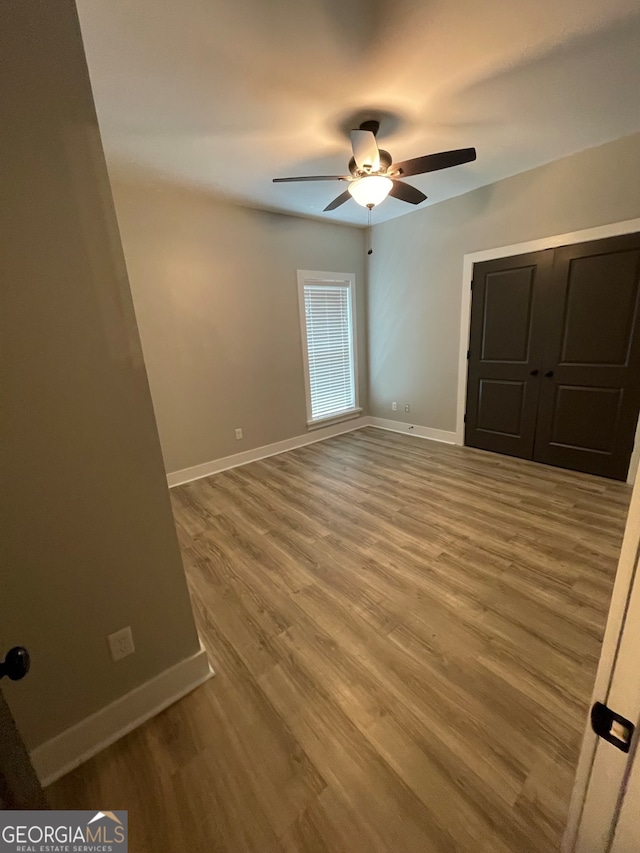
column 16, row 663
column 612, row 727
column 549, row 374
column 534, row 372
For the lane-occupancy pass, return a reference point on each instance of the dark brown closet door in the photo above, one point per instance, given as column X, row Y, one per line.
column 505, row 353
column 590, row 385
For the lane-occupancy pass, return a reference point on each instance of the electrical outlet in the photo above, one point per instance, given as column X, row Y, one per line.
column 238, row 434
column 394, row 407
column 121, row 643
column 407, row 407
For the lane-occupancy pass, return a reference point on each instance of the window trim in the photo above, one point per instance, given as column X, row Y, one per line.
column 339, row 279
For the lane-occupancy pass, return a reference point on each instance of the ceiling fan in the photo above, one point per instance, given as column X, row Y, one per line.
column 373, row 176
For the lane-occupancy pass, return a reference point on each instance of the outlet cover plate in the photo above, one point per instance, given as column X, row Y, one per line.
column 121, row 643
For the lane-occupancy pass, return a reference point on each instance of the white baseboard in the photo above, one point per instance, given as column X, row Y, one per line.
column 442, row 435
column 187, row 475
column 76, row 745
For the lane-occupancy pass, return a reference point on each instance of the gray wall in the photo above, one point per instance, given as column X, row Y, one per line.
column 88, row 543
column 415, row 278
column 214, row 286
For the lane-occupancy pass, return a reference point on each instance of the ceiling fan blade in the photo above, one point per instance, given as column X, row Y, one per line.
column 434, row 162
column 313, row 178
column 405, row 192
column 345, row 196
column 365, row 150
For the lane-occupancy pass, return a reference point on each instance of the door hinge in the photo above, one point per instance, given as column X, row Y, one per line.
column 464, row 419
column 468, row 354
column 612, row 727
column 471, row 285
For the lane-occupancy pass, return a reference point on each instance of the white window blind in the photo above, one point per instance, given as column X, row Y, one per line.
column 328, row 315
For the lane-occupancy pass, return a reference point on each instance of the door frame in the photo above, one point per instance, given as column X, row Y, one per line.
column 592, row 823
column 599, row 232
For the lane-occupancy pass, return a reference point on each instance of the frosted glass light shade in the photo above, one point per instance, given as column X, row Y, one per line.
column 372, row 189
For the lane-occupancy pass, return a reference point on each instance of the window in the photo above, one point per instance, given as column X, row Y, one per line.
column 327, row 314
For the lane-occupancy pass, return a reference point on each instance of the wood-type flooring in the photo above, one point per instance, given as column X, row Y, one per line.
column 405, row 636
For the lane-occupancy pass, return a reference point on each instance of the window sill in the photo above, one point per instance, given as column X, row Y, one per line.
column 334, row 419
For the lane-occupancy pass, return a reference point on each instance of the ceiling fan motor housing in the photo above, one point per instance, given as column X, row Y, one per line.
column 385, row 162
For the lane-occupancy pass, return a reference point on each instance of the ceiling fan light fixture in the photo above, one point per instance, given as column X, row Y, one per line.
column 370, row 190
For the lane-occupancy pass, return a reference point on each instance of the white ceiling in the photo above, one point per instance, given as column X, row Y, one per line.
column 227, row 94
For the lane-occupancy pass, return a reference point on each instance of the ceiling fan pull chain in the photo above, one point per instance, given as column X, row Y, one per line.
column 369, row 250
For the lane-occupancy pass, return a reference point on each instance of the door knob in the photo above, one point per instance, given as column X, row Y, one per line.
column 16, row 663
column 534, row 372
column 549, row 374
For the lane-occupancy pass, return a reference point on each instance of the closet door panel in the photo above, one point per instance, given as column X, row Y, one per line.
column 505, row 353
column 590, row 386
